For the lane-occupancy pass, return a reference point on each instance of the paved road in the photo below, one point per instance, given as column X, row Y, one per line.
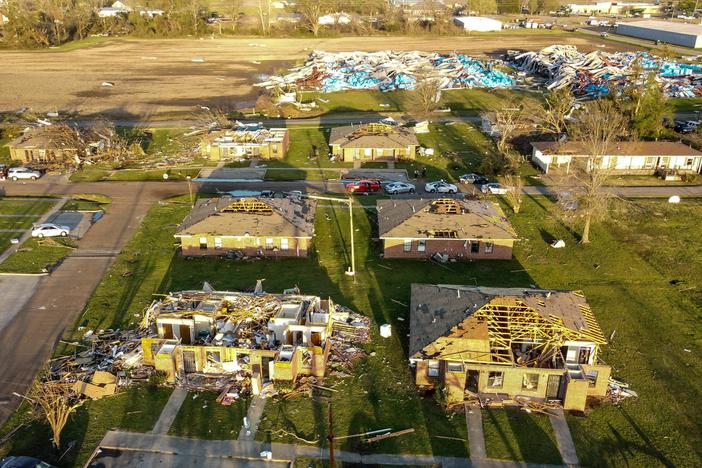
column 32, row 333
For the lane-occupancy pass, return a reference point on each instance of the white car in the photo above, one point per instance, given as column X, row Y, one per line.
column 50, row 230
column 494, row 188
column 394, row 188
column 440, row 186
column 16, row 173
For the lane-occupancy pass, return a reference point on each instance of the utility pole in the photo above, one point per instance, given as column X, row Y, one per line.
column 349, row 201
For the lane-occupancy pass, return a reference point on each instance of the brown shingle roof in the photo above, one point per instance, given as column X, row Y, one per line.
column 436, row 309
column 287, row 218
column 416, row 218
column 360, row 136
column 620, row 148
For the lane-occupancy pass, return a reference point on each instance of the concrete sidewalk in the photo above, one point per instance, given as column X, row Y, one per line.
column 170, row 411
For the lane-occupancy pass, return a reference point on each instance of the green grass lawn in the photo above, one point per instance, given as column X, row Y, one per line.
column 458, row 148
column 460, row 101
column 516, row 435
column 301, row 150
column 299, row 174
column 35, row 255
column 95, row 175
column 25, row 206
column 135, row 408
column 5, row 152
column 202, row 417
column 89, row 175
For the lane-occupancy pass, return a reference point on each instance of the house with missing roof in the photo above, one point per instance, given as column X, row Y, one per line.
column 258, row 337
column 459, row 229
column 622, row 157
column 503, row 345
column 373, row 142
column 245, row 142
column 263, row 227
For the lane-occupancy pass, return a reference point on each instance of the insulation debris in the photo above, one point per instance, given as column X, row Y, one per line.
column 595, row 74
column 388, row 71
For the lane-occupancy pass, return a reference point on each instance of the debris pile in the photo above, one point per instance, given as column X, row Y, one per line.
column 388, row 71
column 349, row 329
column 594, row 74
column 618, row 391
column 112, row 359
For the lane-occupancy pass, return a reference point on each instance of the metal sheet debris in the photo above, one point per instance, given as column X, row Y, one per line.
column 388, row 70
column 596, row 74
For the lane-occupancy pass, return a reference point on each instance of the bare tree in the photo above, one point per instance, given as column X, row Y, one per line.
column 311, row 11
column 514, row 193
column 599, row 125
column 557, row 109
column 426, row 96
column 264, row 15
column 213, row 119
column 57, row 401
column 233, row 9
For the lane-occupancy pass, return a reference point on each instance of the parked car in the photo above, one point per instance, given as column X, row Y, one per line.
column 470, row 178
column 23, row 462
column 686, row 126
column 363, row 186
column 394, row 188
column 3, row 171
column 16, row 173
column 440, row 186
column 50, row 230
column 494, row 188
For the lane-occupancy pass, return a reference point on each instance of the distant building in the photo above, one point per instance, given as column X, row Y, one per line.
column 458, row 229
column 682, row 34
column 120, row 8
column 613, row 8
column 263, row 227
column 505, row 345
column 373, row 142
column 478, row 23
column 622, row 157
column 244, row 142
column 334, row 18
column 288, row 17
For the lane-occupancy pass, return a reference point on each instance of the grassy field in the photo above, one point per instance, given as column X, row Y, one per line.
column 134, row 409
column 458, row 148
column 201, row 416
column 625, row 274
column 516, row 435
column 303, row 142
column 36, row 255
column 460, row 101
column 4, row 152
column 23, row 213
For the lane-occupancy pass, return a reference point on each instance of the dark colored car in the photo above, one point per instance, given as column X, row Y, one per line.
column 363, row 186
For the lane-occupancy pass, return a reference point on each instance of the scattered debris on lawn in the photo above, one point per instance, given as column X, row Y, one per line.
column 618, row 391
column 388, row 71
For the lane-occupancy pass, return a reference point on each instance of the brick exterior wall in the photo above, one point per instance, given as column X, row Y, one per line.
column 251, row 246
column 501, row 250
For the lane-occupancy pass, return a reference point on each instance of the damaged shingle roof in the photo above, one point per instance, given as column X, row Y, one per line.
column 435, row 309
column 414, row 218
column 287, row 218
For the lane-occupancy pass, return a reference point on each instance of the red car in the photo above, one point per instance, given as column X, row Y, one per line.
column 363, row 186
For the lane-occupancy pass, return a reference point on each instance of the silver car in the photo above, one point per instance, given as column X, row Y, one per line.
column 394, row 188
column 16, row 173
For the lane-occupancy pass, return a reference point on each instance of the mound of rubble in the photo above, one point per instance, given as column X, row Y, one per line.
column 594, row 74
column 388, row 71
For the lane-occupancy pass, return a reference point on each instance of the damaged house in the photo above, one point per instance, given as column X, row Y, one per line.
column 263, row 227
column 245, row 142
column 373, row 142
column 266, row 337
column 460, row 229
column 506, row 344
